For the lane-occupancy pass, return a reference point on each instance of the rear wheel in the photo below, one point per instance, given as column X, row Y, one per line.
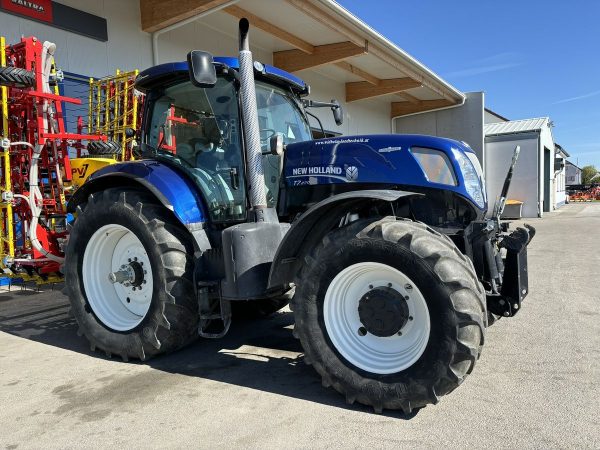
column 389, row 313
column 128, row 274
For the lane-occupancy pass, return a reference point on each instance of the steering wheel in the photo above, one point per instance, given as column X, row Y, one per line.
column 269, row 132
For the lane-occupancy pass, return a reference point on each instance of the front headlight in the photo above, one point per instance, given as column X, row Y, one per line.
column 471, row 177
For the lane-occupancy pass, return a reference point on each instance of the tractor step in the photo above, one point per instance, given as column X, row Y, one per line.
column 215, row 314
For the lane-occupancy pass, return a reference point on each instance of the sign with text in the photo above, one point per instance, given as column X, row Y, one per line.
column 35, row 9
column 59, row 16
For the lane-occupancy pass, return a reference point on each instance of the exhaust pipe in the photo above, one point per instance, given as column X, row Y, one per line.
column 255, row 172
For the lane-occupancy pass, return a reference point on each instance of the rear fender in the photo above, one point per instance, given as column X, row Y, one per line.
column 170, row 187
column 312, row 225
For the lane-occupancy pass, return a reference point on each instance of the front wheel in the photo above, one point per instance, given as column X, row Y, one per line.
column 389, row 313
column 128, row 274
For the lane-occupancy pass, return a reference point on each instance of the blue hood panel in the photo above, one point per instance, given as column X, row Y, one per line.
column 371, row 159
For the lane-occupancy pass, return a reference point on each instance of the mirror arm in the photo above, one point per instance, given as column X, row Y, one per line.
column 314, row 104
column 318, row 120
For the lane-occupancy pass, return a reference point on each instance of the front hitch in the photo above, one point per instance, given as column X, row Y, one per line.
column 504, row 278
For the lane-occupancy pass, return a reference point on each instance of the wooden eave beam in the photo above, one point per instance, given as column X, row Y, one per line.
column 358, row 72
column 360, row 90
column 271, row 29
column 159, row 14
column 404, row 108
column 296, row 60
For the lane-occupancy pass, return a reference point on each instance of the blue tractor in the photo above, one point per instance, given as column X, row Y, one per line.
column 380, row 244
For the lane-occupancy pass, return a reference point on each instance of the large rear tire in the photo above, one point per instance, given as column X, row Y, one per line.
column 390, row 313
column 148, row 307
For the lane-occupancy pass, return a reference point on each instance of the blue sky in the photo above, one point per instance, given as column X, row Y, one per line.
column 532, row 58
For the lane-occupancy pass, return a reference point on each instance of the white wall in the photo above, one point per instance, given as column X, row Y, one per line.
column 362, row 117
column 463, row 123
column 547, row 142
column 560, row 188
column 127, row 47
column 488, row 117
column 525, row 180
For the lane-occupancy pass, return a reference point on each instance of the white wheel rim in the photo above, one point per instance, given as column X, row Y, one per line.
column 119, row 306
column 380, row 355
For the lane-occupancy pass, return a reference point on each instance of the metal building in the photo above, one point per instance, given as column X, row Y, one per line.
column 533, row 179
column 573, row 175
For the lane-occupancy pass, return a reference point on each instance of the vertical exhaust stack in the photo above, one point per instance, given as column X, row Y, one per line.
column 254, row 169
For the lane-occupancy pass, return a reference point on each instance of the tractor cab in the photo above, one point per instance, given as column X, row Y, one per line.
column 199, row 129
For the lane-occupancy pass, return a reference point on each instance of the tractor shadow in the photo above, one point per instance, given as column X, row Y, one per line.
column 258, row 354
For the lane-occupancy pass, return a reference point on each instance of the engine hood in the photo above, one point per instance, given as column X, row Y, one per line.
column 371, row 159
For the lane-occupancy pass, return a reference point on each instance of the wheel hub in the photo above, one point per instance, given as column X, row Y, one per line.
column 131, row 274
column 345, row 324
column 383, row 311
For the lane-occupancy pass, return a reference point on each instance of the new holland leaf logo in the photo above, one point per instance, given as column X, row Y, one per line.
column 351, row 173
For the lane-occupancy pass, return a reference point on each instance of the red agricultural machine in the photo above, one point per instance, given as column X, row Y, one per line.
column 35, row 170
column 587, row 195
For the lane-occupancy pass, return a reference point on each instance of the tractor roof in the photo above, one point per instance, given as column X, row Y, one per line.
column 158, row 74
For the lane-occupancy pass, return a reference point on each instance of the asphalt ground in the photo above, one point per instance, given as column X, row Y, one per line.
column 537, row 384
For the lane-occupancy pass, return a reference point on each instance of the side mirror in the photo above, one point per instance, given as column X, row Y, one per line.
column 338, row 112
column 201, row 69
column 276, row 144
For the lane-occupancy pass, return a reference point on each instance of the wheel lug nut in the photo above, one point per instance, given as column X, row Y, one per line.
column 370, row 286
column 399, row 333
column 410, row 317
column 128, row 259
column 407, row 298
column 145, row 272
column 408, row 287
column 128, row 300
column 362, row 331
column 135, row 259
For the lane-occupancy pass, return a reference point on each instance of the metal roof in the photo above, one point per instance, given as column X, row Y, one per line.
column 516, row 126
column 559, row 149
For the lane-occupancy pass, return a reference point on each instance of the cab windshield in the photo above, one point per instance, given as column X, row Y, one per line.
column 278, row 113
